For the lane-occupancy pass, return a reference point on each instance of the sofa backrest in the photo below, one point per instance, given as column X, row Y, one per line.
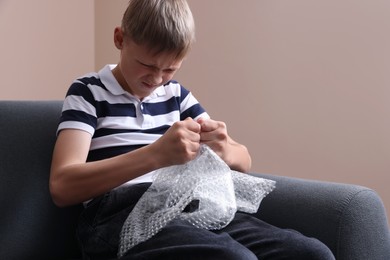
column 31, row 226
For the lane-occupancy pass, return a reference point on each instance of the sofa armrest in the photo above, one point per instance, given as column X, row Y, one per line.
column 349, row 219
column 31, row 226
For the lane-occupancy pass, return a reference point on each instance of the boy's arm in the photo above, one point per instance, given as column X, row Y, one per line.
column 215, row 135
column 73, row 180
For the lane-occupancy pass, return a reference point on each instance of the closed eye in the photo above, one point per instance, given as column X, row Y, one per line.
column 147, row 65
column 170, row 70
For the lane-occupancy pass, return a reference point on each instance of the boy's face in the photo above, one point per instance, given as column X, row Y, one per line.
column 139, row 71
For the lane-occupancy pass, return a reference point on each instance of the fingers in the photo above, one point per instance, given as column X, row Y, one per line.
column 180, row 143
column 209, row 125
column 214, row 134
column 212, row 130
column 192, row 125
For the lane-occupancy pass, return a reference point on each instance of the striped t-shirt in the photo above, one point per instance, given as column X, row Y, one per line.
column 118, row 121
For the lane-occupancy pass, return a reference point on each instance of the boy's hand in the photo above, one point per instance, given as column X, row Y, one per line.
column 180, row 143
column 214, row 134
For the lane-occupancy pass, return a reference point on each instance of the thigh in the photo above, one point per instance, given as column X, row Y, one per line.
column 101, row 221
column 270, row 242
column 181, row 240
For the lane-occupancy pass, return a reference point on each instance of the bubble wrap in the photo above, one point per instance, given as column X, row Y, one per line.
column 204, row 192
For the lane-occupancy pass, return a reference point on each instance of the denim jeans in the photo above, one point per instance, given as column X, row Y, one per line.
column 246, row 237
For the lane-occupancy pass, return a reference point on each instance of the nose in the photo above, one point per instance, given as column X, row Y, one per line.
column 156, row 78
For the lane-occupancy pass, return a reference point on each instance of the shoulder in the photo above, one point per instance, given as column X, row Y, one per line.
column 88, row 83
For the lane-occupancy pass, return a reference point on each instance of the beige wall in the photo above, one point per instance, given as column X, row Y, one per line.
column 108, row 15
column 304, row 84
column 45, row 44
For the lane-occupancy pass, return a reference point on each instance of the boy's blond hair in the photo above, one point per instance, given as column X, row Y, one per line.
column 161, row 25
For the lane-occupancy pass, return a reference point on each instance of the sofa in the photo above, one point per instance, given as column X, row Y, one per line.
column 349, row 219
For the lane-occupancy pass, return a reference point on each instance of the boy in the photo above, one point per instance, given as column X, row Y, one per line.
column 122, row 123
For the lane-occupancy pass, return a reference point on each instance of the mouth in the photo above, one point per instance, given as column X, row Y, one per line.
column 149, row 86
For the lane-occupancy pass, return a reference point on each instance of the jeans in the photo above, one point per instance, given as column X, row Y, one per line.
column 246, row 237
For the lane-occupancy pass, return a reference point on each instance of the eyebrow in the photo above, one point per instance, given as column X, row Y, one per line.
column 172, row 68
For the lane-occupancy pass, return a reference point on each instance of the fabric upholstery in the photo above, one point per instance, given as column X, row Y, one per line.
column 350, row 219
column 31, row 226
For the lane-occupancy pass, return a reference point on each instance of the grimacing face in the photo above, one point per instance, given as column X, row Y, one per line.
column 139, row 70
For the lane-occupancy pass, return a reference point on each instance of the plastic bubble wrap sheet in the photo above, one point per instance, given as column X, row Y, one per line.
column 204, row 192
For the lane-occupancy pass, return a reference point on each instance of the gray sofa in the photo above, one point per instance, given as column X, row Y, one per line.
column 350, row 219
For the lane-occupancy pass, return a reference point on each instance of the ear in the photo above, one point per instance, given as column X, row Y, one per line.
column 118, row 37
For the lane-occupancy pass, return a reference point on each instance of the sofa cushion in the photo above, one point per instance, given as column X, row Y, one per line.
column 32, row 227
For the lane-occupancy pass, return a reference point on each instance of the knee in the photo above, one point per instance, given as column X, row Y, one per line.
column 227, row 250
column 308, row 248
column 234, row 253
